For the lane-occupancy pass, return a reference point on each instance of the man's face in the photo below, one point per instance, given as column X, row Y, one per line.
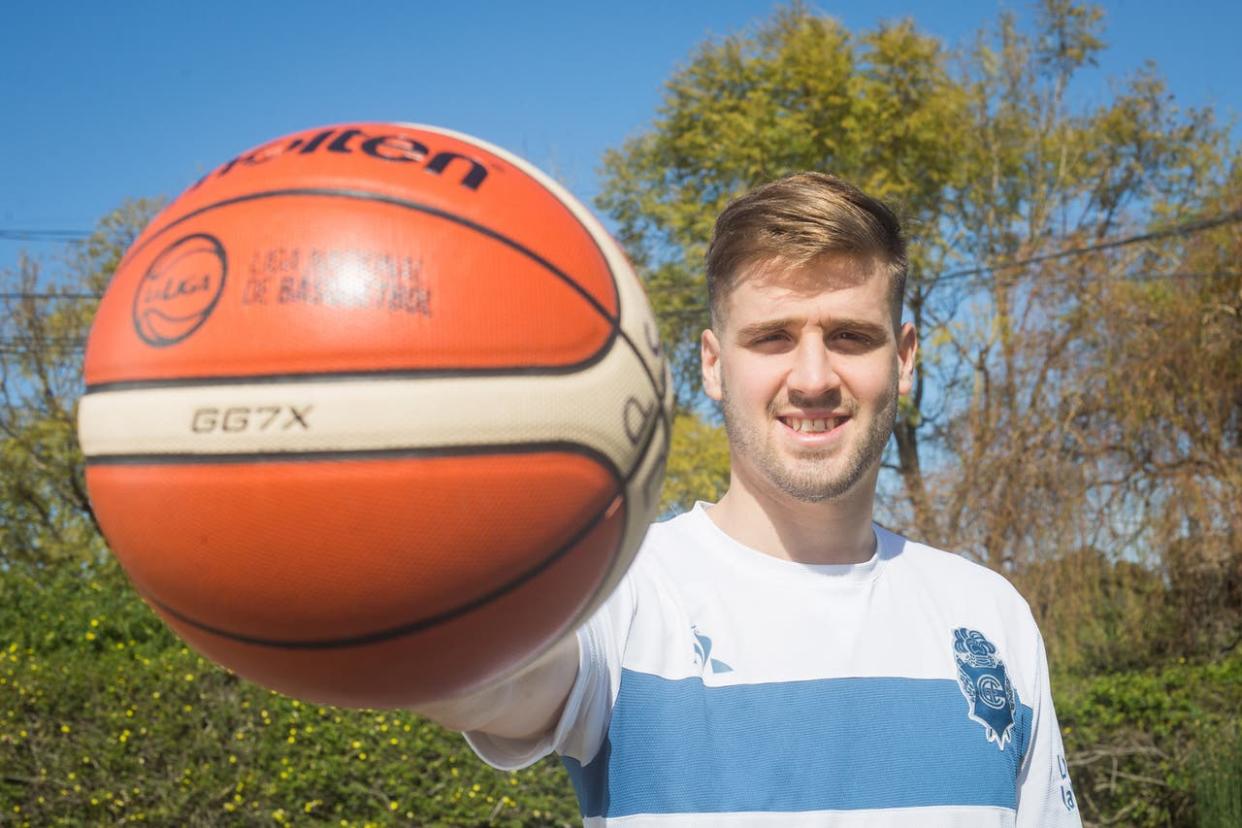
column 808, row 369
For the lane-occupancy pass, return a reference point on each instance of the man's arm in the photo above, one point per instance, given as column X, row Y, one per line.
column 525, row 706
column 1045, row 794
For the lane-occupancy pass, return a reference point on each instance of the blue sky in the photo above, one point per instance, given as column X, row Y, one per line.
column 102, row 101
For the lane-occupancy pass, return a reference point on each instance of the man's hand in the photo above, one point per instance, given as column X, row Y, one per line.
column 523, row 707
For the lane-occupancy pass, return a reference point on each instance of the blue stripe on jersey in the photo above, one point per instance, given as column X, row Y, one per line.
column 829, row 744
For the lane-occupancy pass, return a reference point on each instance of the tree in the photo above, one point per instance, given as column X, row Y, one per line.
column 45, row 514
column 799, row 93
column 1018, row 204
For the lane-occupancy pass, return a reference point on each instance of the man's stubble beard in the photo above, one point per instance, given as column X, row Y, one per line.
column 806, row 479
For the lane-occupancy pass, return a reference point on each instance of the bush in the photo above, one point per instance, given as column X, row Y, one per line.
column 105, row 717
column 1144, row 746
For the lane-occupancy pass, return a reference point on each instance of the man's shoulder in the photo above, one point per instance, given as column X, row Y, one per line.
column 672, row 537
column 947, row 570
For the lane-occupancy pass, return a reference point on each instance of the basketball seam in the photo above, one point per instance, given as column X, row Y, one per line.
column 461, row 609
column 279, row 456
column 592, row 604
column 396, row 201
column 383, row 373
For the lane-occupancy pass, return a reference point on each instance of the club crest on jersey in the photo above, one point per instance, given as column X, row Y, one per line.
column 982, row 679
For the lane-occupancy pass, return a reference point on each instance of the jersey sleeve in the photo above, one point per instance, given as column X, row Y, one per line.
column 588, row 708
column 1045, row 795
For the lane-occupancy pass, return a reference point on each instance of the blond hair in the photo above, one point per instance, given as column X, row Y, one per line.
column 797, row 219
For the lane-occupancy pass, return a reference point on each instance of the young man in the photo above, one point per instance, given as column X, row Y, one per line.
column 776, row 658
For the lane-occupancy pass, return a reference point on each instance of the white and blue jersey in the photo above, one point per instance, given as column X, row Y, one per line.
column 721, row 686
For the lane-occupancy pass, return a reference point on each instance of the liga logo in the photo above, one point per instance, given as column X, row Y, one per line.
column 982, row 679
column 180, row 289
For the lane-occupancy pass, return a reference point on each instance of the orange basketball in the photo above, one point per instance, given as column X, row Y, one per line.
column 374, row 413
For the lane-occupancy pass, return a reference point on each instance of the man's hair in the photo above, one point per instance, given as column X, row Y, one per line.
column 792, row 221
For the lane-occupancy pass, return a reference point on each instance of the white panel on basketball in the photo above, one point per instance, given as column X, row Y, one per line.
column 608, row 407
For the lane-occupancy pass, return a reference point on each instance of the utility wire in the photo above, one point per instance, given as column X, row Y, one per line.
column 1184, row 229
column 20, row 234
column 23, row 296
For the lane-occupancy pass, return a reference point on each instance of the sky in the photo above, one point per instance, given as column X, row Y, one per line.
column 105, row 101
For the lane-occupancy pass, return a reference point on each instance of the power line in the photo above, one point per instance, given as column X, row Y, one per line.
column 30, row 235
column 24, row 296
column 1184, row 229
column 698, row 308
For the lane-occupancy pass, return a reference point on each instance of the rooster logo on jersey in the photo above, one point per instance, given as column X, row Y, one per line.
column 988, row 691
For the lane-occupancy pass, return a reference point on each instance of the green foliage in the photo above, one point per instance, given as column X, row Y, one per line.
column 45, row 515
column 798, row 93
column 1146, row 748
column 698, row 464
column 106, row 718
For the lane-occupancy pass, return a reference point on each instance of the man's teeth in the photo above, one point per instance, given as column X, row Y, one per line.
column 810, row 426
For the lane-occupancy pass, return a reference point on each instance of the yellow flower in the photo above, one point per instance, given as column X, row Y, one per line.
column 64, row 728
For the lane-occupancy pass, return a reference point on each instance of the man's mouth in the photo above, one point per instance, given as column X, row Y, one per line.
column 813, row 425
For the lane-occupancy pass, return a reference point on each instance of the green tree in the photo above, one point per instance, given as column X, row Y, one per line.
column 45, row 514
column 981, row 153
column 798, row 93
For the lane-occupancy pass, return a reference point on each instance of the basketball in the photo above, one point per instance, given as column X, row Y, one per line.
column 374, row 414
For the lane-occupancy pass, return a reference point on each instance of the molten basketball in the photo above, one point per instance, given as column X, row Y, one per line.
column 374, row 414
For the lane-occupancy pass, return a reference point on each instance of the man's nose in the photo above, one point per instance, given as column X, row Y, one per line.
column 812, row 373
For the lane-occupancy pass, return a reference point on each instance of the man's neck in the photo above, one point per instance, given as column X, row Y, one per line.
column 835, row 531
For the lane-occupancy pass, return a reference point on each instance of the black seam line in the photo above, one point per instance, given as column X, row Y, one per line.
column 658, row 387
column 366, row 195
column 351, row 454
column 655, row 386
column 379, row 374
column 415, row 626
column 594, row 602
column 441, row 617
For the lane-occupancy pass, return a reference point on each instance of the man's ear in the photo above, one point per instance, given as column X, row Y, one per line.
column 709, row 359
column 907, row 355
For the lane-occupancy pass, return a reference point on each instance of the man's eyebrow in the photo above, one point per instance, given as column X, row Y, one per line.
column 864, row 326
column 755, row 329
